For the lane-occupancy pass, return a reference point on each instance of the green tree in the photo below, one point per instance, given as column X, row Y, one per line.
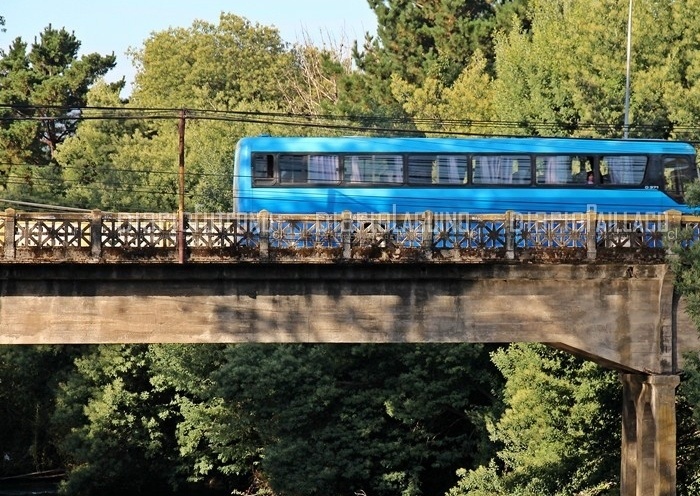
column 96, row 174
column 48, row 82
column 435, row 107
column 232, row 65
column 109, row 424
column 534, row 87
column 205, row 456
column 566, row 75
column 333, row 419
column 222, row 73
column 29, row 377
column 118, row 416
column 117, row 163
column 435, row 39
column 685, row 263
column 681, row 89
column 558, row 431
column 42, row 91
column 420, row 43
column 688, row 426
column 313, row 80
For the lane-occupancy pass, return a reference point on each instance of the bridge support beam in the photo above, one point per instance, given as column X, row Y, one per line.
column 648, row 465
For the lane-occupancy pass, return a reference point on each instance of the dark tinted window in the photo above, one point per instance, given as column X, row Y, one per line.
column 678, row 172
column 437, row 169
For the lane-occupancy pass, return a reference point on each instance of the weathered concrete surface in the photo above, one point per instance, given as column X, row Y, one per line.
column 621, row 315
column 648, row 462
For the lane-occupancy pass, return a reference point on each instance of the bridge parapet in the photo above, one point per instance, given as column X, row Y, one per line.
column 457, row 237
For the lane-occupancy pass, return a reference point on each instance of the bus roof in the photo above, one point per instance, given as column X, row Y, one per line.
column 363, row 144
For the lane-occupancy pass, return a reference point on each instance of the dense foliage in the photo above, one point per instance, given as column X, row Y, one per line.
column 389, row 419
column 42, row 91
column 342, row 419
column 559, row 432
column 294, row 419
column 29, row 379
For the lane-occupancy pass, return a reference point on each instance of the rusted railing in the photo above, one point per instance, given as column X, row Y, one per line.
column 215, row 237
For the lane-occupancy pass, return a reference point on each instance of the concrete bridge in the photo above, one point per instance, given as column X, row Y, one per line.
column 595, row 285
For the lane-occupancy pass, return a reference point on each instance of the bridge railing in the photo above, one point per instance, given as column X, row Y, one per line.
column 137, row 237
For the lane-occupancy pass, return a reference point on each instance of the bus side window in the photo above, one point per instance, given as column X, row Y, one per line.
column 554, row 169
column 565, row 169
column 263, row 168
column 623, row 169
column 422, row 169
column 451, row 169
column 678, row 172
column 324, row 169
column 522, row 171
column 582, row 170
column 293, row 169
column 437, row 169
column 373, row 169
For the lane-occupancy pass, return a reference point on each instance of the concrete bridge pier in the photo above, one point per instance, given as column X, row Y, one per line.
column 648, row 466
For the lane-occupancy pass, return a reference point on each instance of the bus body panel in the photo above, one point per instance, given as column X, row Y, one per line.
column 472, row 198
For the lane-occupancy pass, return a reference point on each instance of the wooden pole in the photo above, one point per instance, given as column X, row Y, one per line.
column 181, row 190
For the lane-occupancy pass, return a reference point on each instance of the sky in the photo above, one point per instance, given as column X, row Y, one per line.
column 107, row 26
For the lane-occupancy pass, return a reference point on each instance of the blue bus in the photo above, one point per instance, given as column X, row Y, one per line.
column 305, row 175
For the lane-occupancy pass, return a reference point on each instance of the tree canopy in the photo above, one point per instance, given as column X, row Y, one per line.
column 558, row 431
column 43, row 92
column 48, row 81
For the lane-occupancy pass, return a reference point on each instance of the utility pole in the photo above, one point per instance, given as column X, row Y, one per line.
column 181, row 190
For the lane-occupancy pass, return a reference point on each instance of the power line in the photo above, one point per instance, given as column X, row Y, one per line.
column 45, row 206
column 324, row 121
